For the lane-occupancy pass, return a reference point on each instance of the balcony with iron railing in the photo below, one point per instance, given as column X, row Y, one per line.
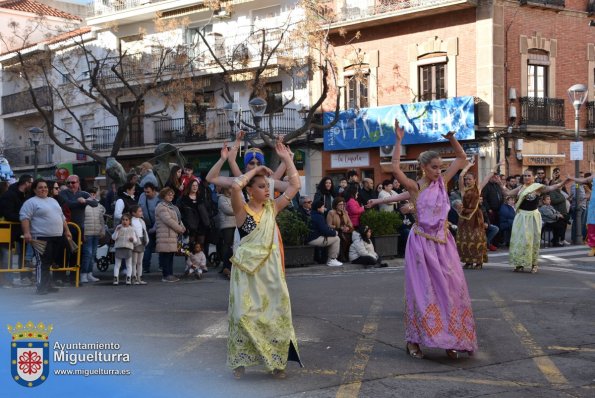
column 103, row 138
column 379, row 9
column 25, row 155
column 211, row 125
column 542, row 111
column 21, row 102
column 544, row 3
column 591, row 114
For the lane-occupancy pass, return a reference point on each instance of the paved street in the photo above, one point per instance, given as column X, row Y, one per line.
column 536, row 335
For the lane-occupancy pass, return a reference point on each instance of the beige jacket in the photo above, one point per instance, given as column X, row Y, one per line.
column 168, row 227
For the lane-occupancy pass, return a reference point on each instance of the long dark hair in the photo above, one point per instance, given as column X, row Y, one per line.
column 363, row 231
column 173, row 178
column 321, row 186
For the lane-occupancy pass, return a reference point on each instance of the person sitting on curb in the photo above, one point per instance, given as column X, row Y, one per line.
column 321, row 235
column 362, row 251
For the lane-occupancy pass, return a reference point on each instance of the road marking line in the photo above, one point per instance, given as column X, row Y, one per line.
column 352, row 378
column 582, row 349
column 543, row 362
column 323, row 372
column 502, row 383
column 219, row 328
column 572, row 249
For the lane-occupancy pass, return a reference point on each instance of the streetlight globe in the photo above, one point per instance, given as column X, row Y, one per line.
column 258, row 106
column 36, row 133
column 577, row 95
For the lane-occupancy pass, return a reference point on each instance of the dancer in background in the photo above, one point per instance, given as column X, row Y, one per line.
column 471, row 230
column 525, row 236
column 435, row 286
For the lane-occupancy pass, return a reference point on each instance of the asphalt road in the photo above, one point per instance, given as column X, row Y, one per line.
column 536, row 335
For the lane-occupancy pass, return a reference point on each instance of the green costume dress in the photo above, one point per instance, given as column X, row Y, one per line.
column 525, row 237
column 260, row 326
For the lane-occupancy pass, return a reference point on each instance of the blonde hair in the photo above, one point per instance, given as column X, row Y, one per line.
column 427, row 156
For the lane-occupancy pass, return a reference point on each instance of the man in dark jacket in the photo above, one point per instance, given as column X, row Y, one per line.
column 493, row 198
column 76, row 200
column 321, row 235
column 367, row 192
column 10, row 205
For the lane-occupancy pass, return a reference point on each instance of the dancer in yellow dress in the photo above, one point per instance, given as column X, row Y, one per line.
column 260, row 324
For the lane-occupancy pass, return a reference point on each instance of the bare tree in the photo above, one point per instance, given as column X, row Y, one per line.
column 81, row 71
column 299, row 48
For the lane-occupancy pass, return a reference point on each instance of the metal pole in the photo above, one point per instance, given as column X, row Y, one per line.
column 35, row 160
column 575, row 227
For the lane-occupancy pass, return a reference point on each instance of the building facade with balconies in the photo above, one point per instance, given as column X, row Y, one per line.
column 190, row 46
column 424, row 50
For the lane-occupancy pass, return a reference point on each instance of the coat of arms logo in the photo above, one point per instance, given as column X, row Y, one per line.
column 29, row 349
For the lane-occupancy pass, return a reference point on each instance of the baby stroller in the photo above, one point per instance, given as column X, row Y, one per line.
column 105, row 251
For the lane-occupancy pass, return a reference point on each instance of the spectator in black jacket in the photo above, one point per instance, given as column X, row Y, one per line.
column 11, row 202
column 367, row 192
column 321, row 235
column 493, row 197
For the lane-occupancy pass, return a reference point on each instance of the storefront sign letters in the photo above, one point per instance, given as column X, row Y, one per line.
column 350, row 160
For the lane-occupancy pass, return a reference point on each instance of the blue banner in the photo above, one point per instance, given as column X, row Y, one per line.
column 424, row 122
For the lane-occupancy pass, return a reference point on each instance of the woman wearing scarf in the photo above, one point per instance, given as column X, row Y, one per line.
column 525, row 236
column 471, row 235
column 260, row 325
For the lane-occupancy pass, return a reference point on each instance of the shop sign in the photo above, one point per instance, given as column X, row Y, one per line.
column 350, row 160
column 543, row 160
column 410, row 166
column 299, row 159
column 424, row 122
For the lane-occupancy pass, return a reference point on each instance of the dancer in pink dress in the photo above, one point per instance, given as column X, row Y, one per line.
column 438, row 308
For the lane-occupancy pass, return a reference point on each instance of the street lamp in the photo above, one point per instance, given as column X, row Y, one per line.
column 36, row 134
column 258, row 106
column 577, row 95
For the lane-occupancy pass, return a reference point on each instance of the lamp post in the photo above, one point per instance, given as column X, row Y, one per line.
column 577, row 95
column 232, row 111
column 36, row 134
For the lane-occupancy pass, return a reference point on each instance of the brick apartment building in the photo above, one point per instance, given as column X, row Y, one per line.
column 516, row 58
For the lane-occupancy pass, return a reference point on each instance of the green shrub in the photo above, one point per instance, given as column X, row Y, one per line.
column 381, row 222
column 293, row 229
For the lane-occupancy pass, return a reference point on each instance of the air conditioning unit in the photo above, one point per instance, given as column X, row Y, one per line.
column 386, row 151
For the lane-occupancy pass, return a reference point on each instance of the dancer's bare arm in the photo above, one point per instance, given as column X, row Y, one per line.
column 408, row 183
column 459, row 162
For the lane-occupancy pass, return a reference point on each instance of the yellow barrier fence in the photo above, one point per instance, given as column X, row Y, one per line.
column 6, row 228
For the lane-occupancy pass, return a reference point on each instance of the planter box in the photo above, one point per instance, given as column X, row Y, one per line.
column 298, row 256
column 386, row 245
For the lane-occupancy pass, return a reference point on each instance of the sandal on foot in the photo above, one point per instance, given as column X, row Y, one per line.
column 414, row 351
column 534, row 269
column 279, row 373
column 478, row 266
column 467, row 266
column 520, row 268
column 452, row 354
column 238, row 372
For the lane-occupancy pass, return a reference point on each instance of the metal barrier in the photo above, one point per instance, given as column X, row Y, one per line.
column 6, row 239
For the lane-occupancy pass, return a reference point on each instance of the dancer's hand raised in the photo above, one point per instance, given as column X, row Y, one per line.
column 399, row 131
column 224, row 151
column 283, row 151
column 449, row 135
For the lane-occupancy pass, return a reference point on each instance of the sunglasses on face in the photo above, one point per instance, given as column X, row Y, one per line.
column 71, row 182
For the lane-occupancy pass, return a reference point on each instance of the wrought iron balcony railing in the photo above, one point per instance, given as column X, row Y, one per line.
column 25, row 155
column 591, row 115
column 104, row 137
column 544, row 3
column 22, row 101
column 371, row 8
column 193, row 128
column 542, row 111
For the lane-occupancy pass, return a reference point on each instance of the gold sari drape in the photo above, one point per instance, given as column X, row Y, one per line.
column 260, row 325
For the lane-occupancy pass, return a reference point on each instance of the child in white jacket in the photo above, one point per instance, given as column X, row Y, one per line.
column 361, row 250
column 138, row 252
column 196, row 262
column 125, row 238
